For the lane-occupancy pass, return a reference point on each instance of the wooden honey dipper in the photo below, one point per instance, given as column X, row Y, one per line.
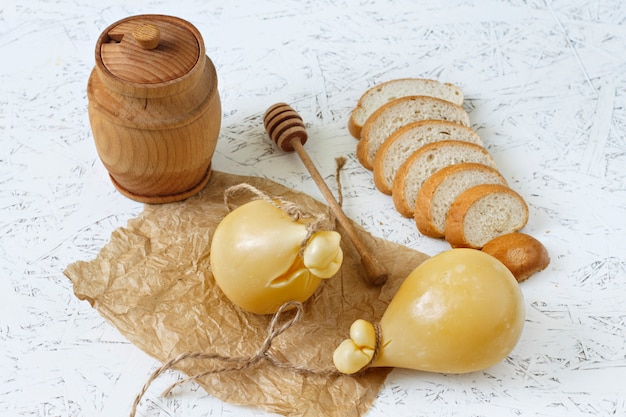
column 286, row 128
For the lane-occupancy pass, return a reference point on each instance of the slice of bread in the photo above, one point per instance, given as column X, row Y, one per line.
column 482, row 213
column 441, row 189
column 385, row 92
column 406, row 140
column 426, row 161
column 400, row 112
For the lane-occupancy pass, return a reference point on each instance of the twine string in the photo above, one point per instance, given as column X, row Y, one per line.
column 241, row 363
column 318, row 223
column 274, row 330
column 341, row 161
column 377, row 346
column 292, row 209
column 262, row 353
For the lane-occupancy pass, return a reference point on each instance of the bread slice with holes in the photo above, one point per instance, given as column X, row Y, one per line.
column 443, row 187
column 408, row 139
column 385, row 92
column 425, row 162
column 400, row 112
column 482, row 213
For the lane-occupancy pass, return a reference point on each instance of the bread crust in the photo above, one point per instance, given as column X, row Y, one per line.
column 456, row 218
column 362, row 150
column 355, row 128
column 522, row 254
column 379, row 169
column 398, row 194
column 423, row 214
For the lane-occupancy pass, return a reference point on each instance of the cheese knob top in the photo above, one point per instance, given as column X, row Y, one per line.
column 355, row 353
column 323, row 255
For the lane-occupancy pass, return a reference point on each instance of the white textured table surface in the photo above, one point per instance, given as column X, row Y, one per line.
column 545, row 83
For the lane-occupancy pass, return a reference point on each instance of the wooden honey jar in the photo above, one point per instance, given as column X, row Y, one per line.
column 154, row 107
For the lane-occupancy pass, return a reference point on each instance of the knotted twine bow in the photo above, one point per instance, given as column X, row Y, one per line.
column 238, row 363
column 232, row 363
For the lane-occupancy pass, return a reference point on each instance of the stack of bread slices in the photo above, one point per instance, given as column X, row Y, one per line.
column 416, row 137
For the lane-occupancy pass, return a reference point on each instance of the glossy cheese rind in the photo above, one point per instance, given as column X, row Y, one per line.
column 459, row 311
column 257, row 262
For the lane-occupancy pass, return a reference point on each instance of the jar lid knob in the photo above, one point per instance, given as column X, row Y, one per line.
column 147, row 35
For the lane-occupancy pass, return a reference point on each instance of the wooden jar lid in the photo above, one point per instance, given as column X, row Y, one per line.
column 150, row 56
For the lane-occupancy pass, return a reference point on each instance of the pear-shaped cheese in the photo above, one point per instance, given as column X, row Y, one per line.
column 256, row 257
column 459, row 311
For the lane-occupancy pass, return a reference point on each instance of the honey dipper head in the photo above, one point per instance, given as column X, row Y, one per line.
column 283, row 124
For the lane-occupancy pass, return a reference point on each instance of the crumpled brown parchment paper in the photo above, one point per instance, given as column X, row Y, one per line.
column 153, row 282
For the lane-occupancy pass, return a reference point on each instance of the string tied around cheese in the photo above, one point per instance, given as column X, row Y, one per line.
column 318, row 223
column 239, row 363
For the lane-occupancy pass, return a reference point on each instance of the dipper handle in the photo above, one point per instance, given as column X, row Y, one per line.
column 286, row 128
